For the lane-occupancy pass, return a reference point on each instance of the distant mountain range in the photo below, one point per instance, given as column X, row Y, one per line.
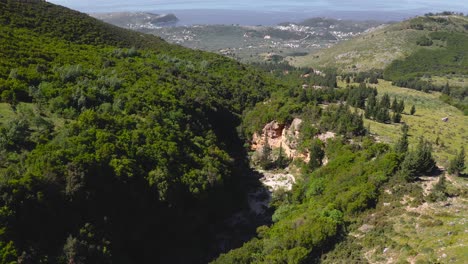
column 137, row 20
column 246, row 43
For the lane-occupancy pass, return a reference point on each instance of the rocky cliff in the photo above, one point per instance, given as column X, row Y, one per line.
column 280, row 135
column 285, row 136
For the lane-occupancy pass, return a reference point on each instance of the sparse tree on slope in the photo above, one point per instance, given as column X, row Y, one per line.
column 457, row 165
column 402, row 144
column 418, row 162
column 413, row 110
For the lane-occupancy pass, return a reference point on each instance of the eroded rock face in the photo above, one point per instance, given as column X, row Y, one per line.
column 286, row 136
column 273, row 129
column 280, row 135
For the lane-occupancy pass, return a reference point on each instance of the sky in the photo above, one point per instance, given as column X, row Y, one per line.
column 266, row 5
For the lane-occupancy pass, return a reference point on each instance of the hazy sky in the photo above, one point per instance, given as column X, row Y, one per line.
column 267, row 5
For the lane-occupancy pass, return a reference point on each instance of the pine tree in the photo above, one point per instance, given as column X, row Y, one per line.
column 316, row 154
column 413, row 110
column 425, row 161
column 394, row 105
column 402, row 144
column 401, row 106
column 457, row 165
column 405, row 129
column 385, row 101
column 446, row 89
column 418, row 162
column 371, row 106
column 282, row 161
column 439, row 192
column 382, row 115
column 396, row 118
column 265, row 162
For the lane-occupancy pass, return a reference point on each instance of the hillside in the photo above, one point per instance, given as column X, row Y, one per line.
column 378, row 48
column 425, row 53
column 446, row 137
column 111, row 140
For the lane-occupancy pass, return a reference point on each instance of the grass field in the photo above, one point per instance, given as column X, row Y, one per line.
column 457, row 81
column 426, row 122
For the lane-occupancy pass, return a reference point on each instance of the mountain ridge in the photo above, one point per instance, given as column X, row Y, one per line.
column 379, row 48
column 135, row 20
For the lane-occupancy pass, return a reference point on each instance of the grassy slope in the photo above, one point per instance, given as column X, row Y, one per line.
column 372, row 50
column 405, row 227
column 413, row 230
column 426, row 122
column 457, row 81
column 378, row 48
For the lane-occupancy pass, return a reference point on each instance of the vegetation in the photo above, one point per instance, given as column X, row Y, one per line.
column 116, row 147
column 319, row 209
column 448, row 59
column 457, row 164
column 446, row 137
column 410, row 53
column 418, row 162
column 114, row 140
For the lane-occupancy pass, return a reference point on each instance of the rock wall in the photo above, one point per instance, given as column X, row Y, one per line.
column 286, row 136
column 280, row 135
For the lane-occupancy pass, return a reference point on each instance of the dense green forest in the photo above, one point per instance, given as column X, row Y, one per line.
column 118, row 146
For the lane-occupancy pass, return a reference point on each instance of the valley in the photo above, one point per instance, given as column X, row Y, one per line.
column 265, row 43
column 250, row 43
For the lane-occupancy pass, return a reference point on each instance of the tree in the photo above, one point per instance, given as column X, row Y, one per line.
column 373, row 79
column 457, row 165
column 265, row 161
column 413, row 110
column 396, row 118
column 394, row 106
column 282, row 161
column 401, row 106
column 316, row 154
column 402, row 144
column 426, row 162
column 439, row 192
column 371, row 106
column 418, row 162
column 385, row 101
column 382, row 115
column 446, row 89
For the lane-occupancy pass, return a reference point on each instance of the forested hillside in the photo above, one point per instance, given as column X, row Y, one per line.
column 115, row 146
